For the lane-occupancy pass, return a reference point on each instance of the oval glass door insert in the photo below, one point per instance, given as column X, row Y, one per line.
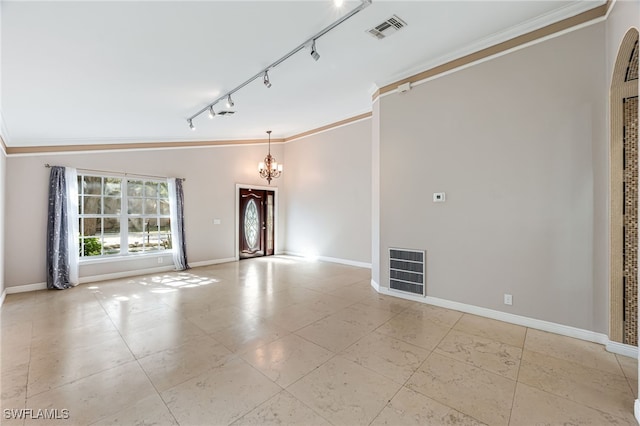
column 251, row 225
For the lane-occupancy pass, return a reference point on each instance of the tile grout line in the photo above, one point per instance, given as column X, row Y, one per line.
column 625, row 376
column 515, row 389
column 566, row 398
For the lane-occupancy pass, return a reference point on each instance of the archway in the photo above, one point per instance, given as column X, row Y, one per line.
column 624, row 193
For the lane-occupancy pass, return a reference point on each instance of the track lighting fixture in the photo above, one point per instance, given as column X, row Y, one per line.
column 265, row 79
column 314, row 53
column 264, row 73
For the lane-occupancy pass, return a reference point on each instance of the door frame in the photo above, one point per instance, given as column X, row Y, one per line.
column 240, row 186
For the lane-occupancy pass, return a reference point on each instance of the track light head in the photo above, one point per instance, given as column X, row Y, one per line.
column 265, row 79
column 314, row 53
column 230, row 102
column 191, row 126
column 212, row 113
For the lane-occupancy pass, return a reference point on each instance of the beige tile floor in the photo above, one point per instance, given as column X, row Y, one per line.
column 288, row 341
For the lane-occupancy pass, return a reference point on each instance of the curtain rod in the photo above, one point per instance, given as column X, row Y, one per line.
column 47, row 165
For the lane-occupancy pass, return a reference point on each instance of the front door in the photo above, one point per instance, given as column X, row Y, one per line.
column 256, row 223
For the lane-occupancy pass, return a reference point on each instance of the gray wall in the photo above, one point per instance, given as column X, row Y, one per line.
column 519, row 145
column 332, row 210
column 211, row 175
column 328, row 184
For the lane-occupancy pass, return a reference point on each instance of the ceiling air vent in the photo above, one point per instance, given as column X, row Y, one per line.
column 226, row 112
column 387, row 27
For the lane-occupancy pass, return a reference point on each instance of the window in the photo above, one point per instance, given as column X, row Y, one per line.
column 121, row 216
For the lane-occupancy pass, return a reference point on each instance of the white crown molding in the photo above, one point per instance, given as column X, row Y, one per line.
column 4, row 134
column 574, row 8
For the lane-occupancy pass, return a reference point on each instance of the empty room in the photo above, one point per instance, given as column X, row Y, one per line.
column 323, row 212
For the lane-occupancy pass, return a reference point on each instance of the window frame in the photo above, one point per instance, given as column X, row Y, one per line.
column 124, row 216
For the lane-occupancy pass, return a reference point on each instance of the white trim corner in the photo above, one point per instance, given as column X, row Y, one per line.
column 375, row 285
column 622, row 349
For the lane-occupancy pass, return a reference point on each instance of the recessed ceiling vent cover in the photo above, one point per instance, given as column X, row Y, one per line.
column 226, row 112
column 387, row 27
column 406, row 270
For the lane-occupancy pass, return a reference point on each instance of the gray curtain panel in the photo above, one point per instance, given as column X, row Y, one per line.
column 180, row 257
column 57, row 232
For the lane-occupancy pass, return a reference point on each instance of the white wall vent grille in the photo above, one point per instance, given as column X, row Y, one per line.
column 387, row 27
column 407, row 271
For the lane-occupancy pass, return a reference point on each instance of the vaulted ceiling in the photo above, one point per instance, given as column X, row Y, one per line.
column 95, row 72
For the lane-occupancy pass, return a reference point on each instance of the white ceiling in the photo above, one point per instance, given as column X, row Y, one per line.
column 84, row 72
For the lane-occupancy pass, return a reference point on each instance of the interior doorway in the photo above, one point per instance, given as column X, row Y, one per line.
column 256, row 222
column 623, row 325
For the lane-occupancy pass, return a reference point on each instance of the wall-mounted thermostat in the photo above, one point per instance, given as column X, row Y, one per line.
column 439, row 197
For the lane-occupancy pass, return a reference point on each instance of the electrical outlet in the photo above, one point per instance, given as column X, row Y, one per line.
column 508, row 299
column 439, row 197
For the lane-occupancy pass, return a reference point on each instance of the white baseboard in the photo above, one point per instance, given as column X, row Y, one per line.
column 105, row 277
column 125, row 274
column 622, row 349
column 332, row 260
column 212, row 262
column 636, row 410
column 551, row 327
column 25, row 288
column 345, row 262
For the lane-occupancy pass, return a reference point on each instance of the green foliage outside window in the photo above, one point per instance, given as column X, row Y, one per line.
column 92, row 247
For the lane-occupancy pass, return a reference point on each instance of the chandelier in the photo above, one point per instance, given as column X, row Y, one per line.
column 269, row 168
